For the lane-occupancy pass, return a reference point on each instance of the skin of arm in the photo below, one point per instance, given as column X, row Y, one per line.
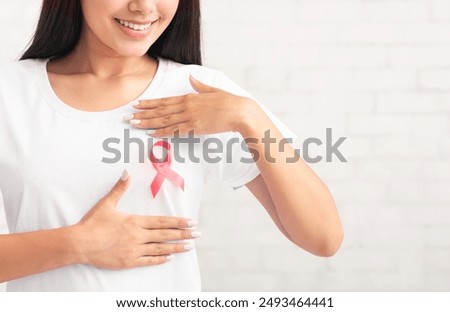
column 294, row 196
column 34, row 252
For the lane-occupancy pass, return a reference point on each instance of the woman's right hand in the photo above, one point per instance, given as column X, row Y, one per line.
column 112, row 239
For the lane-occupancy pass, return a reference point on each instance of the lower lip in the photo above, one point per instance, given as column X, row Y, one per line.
column 137, row 34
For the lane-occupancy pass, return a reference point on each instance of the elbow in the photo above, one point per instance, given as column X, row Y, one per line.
column 321, row 238
column 4, row 277
column 330, row 239
column 326, row 246
column 330, row 244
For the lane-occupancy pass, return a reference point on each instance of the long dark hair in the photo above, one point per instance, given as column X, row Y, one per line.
column 59, row 29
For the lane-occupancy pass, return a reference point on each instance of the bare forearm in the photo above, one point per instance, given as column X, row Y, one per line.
column 304, row 206
column 35, row 252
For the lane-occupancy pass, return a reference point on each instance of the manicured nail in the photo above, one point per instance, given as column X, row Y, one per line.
column 188, row 247
column 134, row 103
column 125, row 175
column 128, row 117
column 192, row 223
column 171, row 257
column 135, row 122
column 151, row 131
column 196, row 234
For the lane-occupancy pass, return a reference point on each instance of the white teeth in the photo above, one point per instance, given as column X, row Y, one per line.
column 134, row 26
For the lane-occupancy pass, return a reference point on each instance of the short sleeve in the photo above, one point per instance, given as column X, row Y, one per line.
column 233, row 163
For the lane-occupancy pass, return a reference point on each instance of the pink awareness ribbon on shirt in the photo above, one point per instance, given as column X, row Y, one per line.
column 163, row 170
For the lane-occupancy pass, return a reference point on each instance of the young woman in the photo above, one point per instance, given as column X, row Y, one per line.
column 101, row 80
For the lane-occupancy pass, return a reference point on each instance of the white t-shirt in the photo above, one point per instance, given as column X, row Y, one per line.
column 54, row 166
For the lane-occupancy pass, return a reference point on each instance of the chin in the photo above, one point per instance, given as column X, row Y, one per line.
column 133, row 52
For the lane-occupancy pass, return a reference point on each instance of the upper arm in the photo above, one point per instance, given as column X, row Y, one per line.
column 259, row 189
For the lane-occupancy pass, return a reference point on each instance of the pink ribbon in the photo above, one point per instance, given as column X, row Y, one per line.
column 163, row 170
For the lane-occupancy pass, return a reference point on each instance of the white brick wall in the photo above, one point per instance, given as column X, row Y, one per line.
column 375, row 71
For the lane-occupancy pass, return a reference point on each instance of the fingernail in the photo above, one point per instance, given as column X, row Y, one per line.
column 151, row 131
column 196, row 234
column 188, row 247
column 125, row 175
column 134, row 103
column 128, row 117
column 171, row 257
column 135, row 122
column 192, row 223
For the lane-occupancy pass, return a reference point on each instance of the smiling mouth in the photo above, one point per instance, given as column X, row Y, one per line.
column 137, row 27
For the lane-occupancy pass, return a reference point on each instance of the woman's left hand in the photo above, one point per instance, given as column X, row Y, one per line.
column 210, row 111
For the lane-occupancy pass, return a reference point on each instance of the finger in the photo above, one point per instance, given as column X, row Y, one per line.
column 152, row 260
column 119, row 188
column 157, row 112
column 164, row 222
column 164, row 249
column 161, row 236
column 149, row 104
column 180, row 129
column 160, row 122
column 201, row 87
